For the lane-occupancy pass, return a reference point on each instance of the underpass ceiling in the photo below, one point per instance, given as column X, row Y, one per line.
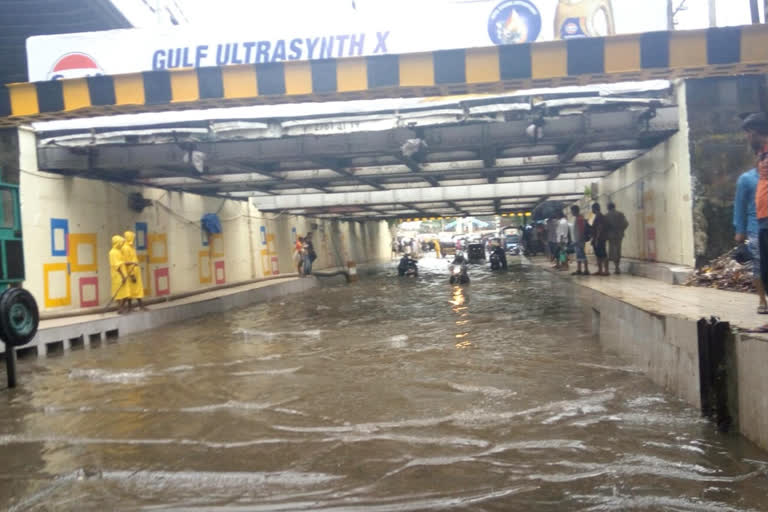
column 469, row 159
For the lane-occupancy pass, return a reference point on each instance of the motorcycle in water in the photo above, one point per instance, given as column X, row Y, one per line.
column 459, row 274
column 408, row 267
column 498, row 259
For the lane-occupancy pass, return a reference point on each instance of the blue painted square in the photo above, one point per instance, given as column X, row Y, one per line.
column 59, row 237
column 141, row 236
column 263, row 230
column 294, row 235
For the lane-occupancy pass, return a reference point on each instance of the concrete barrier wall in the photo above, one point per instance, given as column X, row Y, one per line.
column 655, row 194
column 665, row 348
column 68, row 223
column 751, row 356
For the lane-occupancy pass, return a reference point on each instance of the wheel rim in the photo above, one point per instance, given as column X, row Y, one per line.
column 22, row 321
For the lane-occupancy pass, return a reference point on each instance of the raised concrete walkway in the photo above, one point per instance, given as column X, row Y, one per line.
column 655, row 296
column 86, row 330
column 653, row 325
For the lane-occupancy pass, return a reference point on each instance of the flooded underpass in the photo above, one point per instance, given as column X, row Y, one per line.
column 388, row 394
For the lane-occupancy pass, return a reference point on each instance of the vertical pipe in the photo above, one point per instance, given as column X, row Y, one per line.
column 670, row 15
column 713, row 12
column 755, row 10
column 10, row 365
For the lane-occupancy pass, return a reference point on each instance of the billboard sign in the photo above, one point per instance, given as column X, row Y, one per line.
column 276, row 35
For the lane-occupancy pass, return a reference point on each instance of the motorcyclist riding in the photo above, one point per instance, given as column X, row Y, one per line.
column 459, row 259
column 498, row 258
column 408, row 266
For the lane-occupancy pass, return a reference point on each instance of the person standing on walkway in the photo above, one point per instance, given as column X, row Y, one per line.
column 133, row 272
column 299, row 255
column 117, row 273
column 744, row 211
column 615, row 226
column 310, row 255
column 563, row 234
column 552, row 239
column 599, row 240
column 580, row 239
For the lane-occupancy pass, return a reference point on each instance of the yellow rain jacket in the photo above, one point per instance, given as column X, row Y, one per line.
column 116, row 264
column 135, row 289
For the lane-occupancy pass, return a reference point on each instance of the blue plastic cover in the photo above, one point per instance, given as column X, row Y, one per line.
column 211, row 223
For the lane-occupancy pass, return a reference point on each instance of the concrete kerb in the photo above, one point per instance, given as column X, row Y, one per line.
column 62, row 334
column 666, row 348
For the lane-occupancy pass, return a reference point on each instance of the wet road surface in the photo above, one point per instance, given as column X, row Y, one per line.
column 389, row 394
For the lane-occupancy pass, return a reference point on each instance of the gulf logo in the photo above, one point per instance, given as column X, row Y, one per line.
column 74, row 65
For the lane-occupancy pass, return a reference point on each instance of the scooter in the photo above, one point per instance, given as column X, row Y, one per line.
column 498, row 259
column 459, row 274
column 408, row 267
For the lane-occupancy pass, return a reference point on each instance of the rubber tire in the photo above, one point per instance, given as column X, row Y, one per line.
column 20, row 298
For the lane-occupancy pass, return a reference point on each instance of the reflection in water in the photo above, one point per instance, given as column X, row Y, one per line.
column 384, row 395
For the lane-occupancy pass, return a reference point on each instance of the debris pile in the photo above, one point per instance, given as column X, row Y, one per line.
column 725, row 273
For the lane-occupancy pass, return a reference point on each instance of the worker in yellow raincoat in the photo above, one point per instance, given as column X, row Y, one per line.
column 436, row 242
column 117, row 272
column 135, row 285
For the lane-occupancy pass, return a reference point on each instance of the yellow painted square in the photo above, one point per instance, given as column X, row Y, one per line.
column 688, row 49
column 239, row 82
column 622, row 54
column 56, row 302
column 351, row 75
column 23, row 99
column 82, row 252
column 184, row 85
column 549, row 60
column 75, row 93
column 417, row 69
column 298, row 78
column 204, row 267
column 216, row 242
column 129, row 89
column 754, row 44
column 271, row 243
column 266, row 266
column 482, row 65
column 158, row 248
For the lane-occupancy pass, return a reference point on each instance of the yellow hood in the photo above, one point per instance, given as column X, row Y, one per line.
column 117, row 242
column 129, row 237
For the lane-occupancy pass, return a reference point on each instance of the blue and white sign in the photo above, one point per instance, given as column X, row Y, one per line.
column 323, row 30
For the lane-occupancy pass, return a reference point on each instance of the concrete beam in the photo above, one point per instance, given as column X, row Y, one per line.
column 424, row 195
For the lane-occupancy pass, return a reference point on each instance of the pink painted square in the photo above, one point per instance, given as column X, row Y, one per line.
column 89, row 292
column 162, row 282
column 218, row 271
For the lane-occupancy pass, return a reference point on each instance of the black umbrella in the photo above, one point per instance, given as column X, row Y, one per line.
column 548, row 210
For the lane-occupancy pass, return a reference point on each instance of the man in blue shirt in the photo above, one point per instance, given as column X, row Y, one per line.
column 745, row 217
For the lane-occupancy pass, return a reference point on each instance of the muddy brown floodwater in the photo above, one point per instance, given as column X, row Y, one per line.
column 387, row 395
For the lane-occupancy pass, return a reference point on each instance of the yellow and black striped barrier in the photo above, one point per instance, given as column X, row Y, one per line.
column 651, row 55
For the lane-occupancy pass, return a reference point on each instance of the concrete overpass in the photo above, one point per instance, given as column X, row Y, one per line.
column 473, row 156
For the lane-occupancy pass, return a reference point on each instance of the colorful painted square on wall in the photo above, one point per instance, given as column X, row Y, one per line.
column 142, row 231
column 59, row 237
column 89, row 292
column 204, row 267
column 158, row 248
column 56, row 285
column 217, row 241
column 263, row 231
column 204, row 237
column 162, row 281
column 82, row 252
column 219, row 272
